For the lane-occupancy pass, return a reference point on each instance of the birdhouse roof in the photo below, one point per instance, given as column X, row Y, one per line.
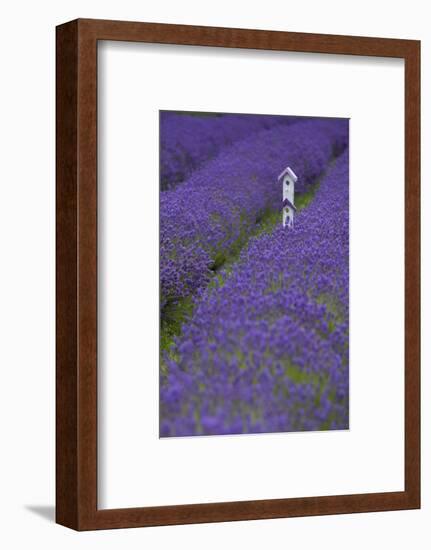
column 288, row 171
column 287, row 202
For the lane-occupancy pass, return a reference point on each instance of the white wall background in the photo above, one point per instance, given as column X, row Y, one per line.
column 27, row 273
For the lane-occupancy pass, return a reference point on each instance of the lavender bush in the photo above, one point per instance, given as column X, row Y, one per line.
column 266, row 348
column 212, row 213
column 187, row 141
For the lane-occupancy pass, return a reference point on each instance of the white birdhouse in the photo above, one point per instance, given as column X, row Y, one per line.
column 289, row 178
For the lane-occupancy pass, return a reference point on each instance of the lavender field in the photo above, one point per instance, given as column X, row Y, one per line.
column 254, row 316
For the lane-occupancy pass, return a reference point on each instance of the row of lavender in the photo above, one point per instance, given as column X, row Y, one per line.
column 187, row 141
column 267, row 349
column 212, row 212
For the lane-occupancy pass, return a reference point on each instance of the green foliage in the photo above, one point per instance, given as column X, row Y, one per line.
column 172, row 317
column 333, row 307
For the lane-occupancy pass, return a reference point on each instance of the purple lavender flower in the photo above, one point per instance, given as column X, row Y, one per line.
column 266, row 349
column 211, row 214
column 187, row 141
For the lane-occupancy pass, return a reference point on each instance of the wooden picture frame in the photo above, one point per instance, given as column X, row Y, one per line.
column 76, row 279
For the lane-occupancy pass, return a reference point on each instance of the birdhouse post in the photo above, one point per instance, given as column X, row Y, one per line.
column 288, row 178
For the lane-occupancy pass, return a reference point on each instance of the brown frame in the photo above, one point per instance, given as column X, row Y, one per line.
column 76, row 208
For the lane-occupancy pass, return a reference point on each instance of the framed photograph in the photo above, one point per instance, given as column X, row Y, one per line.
column 238, row 274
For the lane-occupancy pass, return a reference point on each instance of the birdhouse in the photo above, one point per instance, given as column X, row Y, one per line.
column 288, row 179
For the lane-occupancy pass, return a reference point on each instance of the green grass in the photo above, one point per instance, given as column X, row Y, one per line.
column 302, row 201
